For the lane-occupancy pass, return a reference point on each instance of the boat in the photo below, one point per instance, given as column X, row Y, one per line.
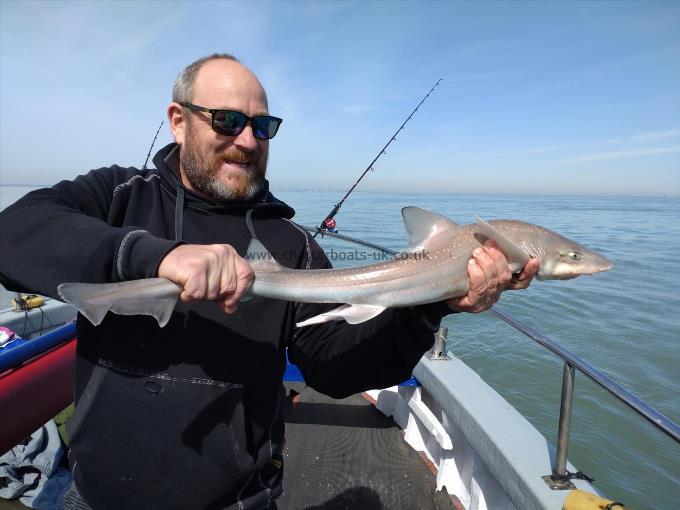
column 39, row 370
column 443, row 439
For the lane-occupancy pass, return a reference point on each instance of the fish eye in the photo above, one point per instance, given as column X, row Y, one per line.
column 574, row 256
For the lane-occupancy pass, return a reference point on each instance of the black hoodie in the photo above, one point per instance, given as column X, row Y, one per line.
column 188, row 416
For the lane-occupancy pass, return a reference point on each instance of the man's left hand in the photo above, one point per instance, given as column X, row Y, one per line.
column 489, row 276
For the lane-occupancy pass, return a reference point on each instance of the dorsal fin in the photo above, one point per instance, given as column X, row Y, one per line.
column 427, row 230
column 517, row 257
column 260, row 259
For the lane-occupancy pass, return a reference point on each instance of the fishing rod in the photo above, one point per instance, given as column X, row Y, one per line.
column 328, row 221
column 354, row 240
column 152, row 144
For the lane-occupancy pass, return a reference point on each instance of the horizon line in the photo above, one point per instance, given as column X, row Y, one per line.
column 439, row 192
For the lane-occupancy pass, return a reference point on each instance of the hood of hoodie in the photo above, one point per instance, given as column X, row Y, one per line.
column 167, row 166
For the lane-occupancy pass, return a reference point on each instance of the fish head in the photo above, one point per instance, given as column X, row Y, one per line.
column 563, row 259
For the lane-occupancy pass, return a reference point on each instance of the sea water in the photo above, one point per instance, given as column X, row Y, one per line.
column 625, row 322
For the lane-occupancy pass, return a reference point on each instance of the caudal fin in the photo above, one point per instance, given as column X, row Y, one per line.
column 153, row 296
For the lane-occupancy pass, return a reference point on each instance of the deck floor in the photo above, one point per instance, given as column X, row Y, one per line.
column 345, row 454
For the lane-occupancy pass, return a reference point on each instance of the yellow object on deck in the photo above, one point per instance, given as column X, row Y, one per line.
column 582, row 500
column 27, row 302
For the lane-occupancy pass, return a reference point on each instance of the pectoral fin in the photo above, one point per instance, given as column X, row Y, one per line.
column 353, row 314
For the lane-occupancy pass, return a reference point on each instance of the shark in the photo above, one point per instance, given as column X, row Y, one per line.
column 432, row 268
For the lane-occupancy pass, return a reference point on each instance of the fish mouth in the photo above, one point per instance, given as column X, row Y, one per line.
column 600, row 269
column 565, row 276
column 570, row 276
column 573, row 272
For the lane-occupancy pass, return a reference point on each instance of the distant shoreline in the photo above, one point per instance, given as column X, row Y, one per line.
column 24, row 185
column 440, row 193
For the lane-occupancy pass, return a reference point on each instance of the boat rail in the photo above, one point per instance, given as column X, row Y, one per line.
column 572, row 362
column 560, row 477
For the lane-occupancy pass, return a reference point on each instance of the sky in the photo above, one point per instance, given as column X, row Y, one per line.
column 536, row 97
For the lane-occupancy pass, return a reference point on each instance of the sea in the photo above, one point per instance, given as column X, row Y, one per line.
column 625, row 322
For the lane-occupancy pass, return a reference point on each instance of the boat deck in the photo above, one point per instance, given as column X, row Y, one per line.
column 345, row 454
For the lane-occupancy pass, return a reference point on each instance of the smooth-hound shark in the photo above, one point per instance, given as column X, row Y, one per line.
column 431, row 269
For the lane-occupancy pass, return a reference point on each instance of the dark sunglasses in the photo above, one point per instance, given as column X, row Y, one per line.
column 232, row 123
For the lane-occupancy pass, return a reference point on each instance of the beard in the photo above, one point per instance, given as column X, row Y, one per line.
column 202, row 172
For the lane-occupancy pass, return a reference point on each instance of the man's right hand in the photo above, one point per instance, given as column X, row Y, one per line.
column 213, row 272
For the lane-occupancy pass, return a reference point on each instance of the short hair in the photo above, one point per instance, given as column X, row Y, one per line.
column 183, row 88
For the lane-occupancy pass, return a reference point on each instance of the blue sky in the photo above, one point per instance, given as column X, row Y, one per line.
column 536, row 97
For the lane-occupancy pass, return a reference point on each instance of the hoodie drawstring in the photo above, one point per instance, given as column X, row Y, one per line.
column 179, row 213
column 249, row 223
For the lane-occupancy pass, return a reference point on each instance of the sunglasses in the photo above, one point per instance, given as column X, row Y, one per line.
column 232, row 123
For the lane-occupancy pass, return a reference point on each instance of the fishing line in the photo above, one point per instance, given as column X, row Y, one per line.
column 328, row 223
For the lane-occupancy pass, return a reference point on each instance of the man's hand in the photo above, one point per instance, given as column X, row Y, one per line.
column 489, row 275
column 213, row 272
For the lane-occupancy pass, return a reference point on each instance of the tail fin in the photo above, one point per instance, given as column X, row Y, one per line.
column 152, row 296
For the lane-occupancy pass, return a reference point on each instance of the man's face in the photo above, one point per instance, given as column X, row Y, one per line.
column 224, row 168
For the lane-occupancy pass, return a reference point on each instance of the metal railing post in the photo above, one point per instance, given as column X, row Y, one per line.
column 438, row 351
column 566, row 404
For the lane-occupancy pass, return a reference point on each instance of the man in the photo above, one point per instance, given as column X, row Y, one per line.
column 189, row 416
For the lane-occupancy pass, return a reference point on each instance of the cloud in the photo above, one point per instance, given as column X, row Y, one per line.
column 647, row 136
column 536, row 150
column 656, row 135
column 516, row 151
column 602, row 156
column 356, row 109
